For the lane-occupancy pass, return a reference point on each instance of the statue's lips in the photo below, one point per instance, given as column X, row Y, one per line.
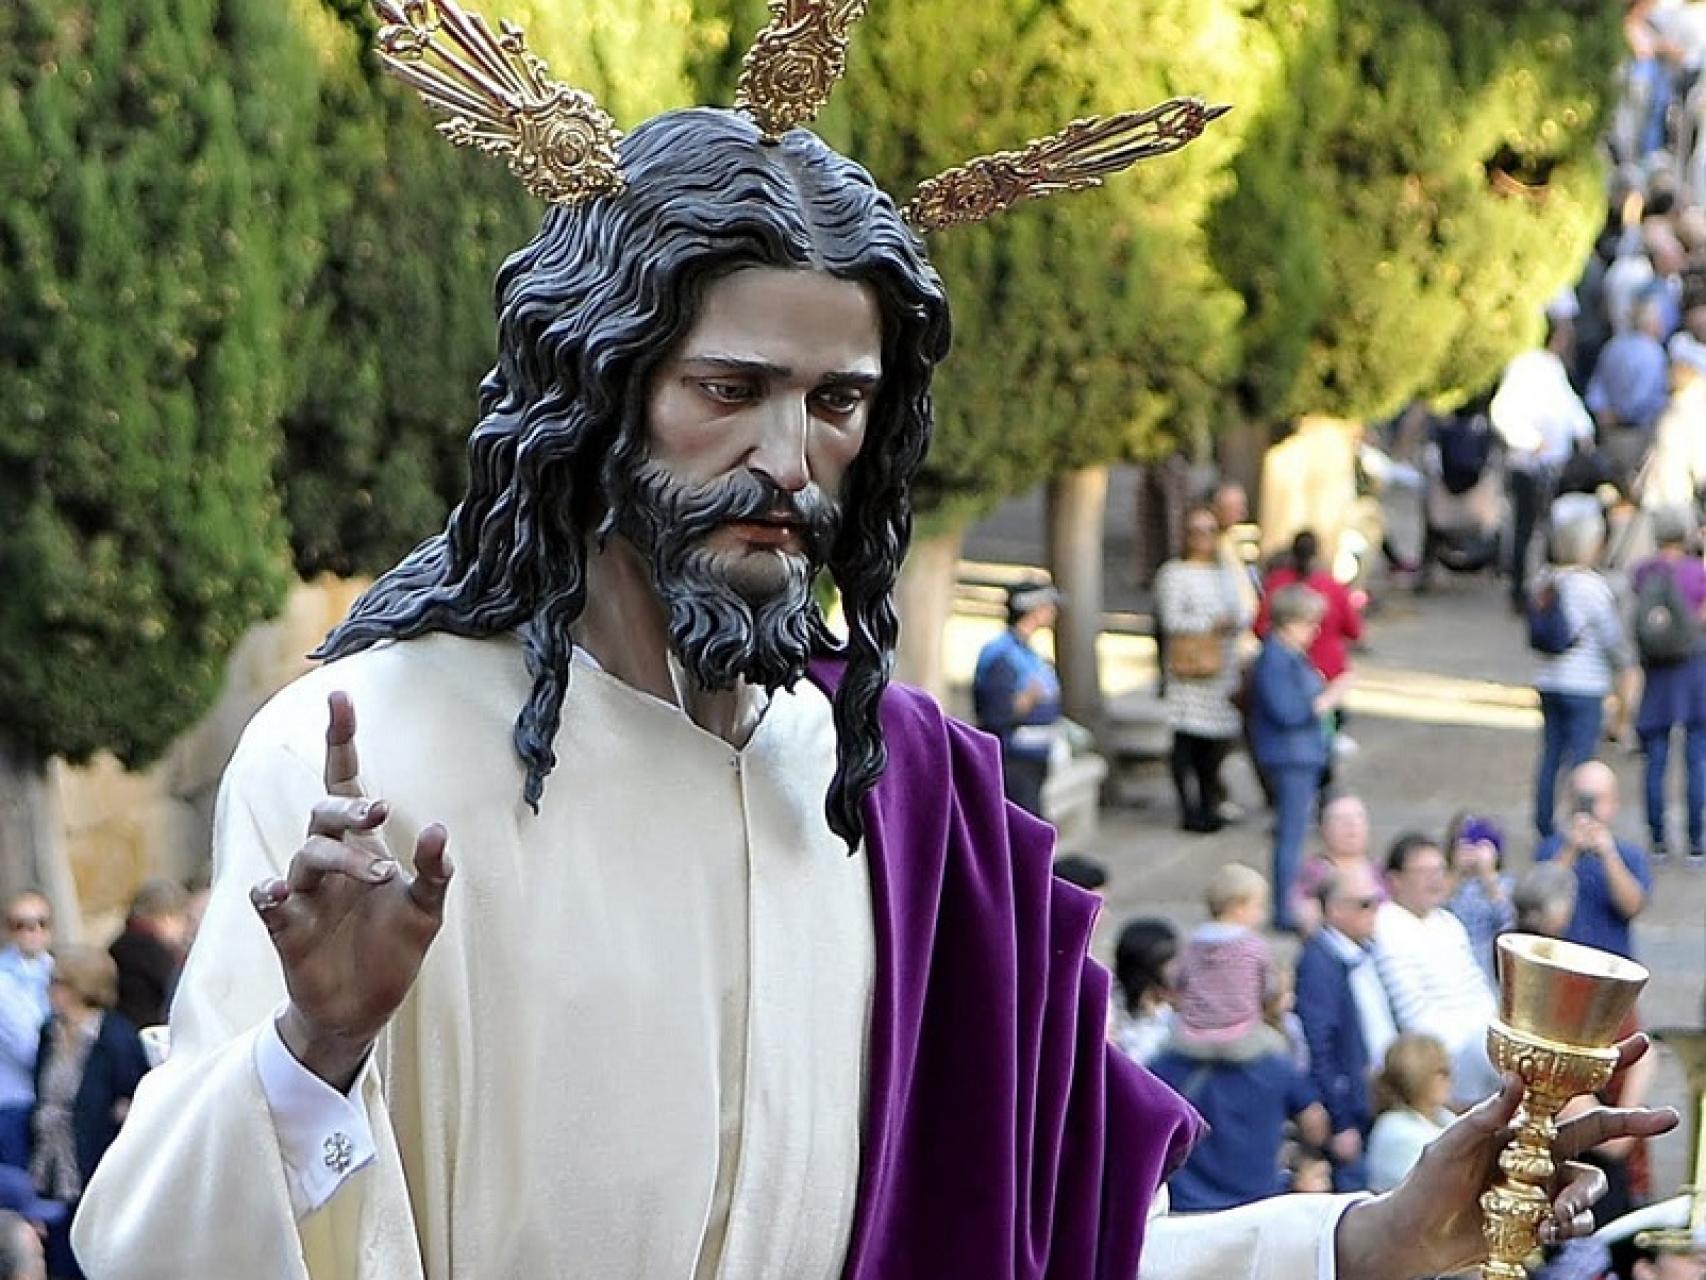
column 781, row 534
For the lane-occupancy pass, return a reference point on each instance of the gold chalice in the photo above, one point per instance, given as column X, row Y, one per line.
column 1560, row 1008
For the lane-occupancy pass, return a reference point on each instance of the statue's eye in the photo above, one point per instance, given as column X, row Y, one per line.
column 840, row 400
column 726, row 391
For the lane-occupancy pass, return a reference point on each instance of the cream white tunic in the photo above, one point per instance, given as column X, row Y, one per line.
column 637, row 1048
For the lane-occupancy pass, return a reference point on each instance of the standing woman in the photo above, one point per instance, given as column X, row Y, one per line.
column 1203, row 613
column 87, row 1070
column 1289, row 701
column 1341, row 620
column 1574, row 684
column 1670, row 600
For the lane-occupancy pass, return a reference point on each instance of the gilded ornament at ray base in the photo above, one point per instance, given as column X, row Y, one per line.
column 796, row 62
column 500, row 99
column 1077, row 158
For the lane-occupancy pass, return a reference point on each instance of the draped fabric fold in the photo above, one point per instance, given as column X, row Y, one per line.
column 1004, row 1136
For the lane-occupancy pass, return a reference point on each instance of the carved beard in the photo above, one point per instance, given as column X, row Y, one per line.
column 724, row 625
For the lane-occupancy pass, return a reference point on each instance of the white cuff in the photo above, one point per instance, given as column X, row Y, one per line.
column 323, row 1134
column 1326, row 1262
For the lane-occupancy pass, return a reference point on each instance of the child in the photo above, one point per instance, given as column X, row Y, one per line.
column 1309, row 1169
column 1228, row 1062
column 1410, row 1093
column 1146, row 962
column 1226, row 956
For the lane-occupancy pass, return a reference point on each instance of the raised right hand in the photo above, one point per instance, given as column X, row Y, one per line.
column 349, row 925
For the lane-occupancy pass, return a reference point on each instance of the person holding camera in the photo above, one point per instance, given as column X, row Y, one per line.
column 1613, row 877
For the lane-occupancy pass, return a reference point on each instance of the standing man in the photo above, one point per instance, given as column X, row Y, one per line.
column 1542, row 421
column 150, row 951
column 26, row 969
column 1613, row 877
column 1347, row 1021
column 1016, row 695
column 1630, row 388
column 745, row 970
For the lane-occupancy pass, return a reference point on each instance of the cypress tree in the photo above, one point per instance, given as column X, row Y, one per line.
column 402, row 306
column 1424, row 183
column 154, row 245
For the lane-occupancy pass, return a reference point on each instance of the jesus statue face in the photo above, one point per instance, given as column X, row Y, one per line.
column 753, row 423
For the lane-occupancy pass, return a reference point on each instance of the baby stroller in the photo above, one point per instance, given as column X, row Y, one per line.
column 1464, row 502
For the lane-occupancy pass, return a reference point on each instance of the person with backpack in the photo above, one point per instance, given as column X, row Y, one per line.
column 1582, row 653
column 1670, row 601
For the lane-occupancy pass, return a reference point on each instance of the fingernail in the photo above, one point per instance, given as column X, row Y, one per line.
column 375, row 809
column 381, row 869
column 268, row 894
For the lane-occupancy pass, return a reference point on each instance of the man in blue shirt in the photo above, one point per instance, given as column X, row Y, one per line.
column 1613, row 877
column 1631, row 382
column 26, row 968
column 1016, row 694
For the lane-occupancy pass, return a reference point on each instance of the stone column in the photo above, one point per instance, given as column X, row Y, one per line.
column 1076, row 504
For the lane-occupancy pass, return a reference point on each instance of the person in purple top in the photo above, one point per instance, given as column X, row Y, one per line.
column 1673, row 662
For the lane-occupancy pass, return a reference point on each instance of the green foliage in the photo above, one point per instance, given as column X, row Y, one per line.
column 155, row 240
column 1406, row 205
column 1088, row 327
column 402, row 306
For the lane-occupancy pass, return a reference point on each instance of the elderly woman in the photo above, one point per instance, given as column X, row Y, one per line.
column 87, row 1070
column 1670, row 601
column 1288, row 704
column 1203, row 615
column 1574, row 684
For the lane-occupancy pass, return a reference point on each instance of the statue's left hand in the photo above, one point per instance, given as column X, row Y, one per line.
column 1430, row 1224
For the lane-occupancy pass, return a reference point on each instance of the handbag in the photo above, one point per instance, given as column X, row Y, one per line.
column 1195, row 655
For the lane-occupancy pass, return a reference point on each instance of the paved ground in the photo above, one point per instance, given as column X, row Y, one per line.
column 1445, row 722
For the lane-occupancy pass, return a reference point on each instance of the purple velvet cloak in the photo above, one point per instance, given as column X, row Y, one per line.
column 1004, row 1139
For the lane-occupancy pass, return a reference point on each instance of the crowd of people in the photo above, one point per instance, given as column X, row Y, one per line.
column 72, row 1052
column 1336, row 1072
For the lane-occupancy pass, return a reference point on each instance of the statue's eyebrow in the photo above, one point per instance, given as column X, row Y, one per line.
column 769, row 369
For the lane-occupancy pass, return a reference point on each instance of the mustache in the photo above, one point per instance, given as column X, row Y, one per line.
column 682, row 515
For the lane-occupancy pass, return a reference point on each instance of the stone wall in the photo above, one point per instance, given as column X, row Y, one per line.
column 122, row 827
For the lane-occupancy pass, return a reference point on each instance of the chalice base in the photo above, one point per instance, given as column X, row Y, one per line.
column 1520, row 1198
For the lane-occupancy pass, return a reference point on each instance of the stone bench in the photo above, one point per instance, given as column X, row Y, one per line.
column 1072, row 799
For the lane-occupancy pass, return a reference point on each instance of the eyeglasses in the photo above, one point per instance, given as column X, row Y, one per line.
column 19, row 923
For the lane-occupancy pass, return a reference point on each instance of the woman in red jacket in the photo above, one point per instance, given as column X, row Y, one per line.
column 1341, row 624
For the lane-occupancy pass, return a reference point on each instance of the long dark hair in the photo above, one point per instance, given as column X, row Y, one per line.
column 1145, row 948
column 586, row 313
